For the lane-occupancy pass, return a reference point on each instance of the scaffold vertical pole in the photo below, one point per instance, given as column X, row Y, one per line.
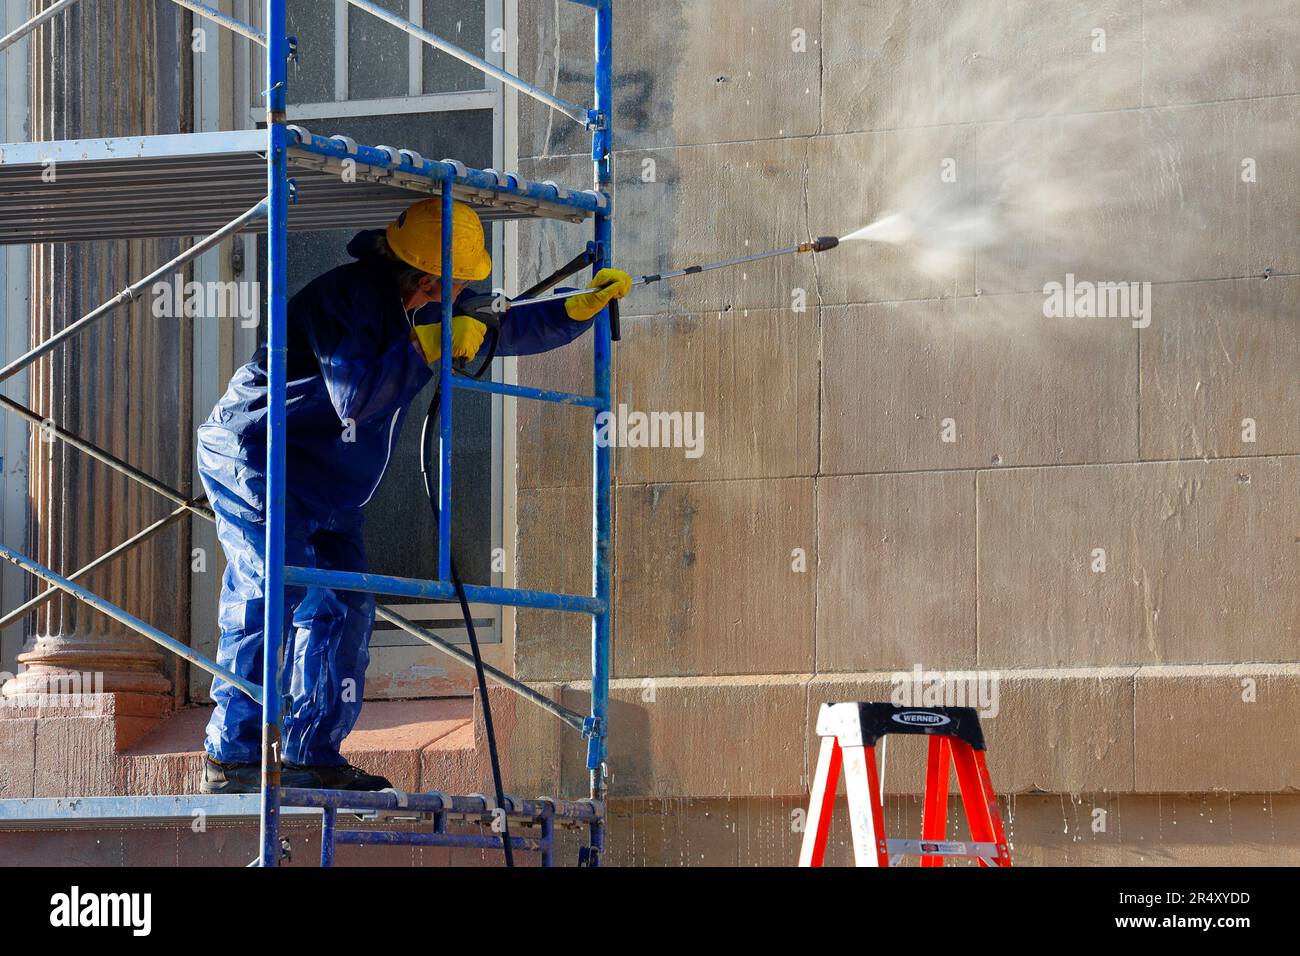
column 602, row 523
column 445, row 387
column 277, row 54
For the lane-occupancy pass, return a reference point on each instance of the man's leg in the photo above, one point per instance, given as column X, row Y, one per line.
column 331, row 651
column 234, row 733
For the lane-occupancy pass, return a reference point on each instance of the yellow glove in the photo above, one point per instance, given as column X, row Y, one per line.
column 609, row 284
column 466, row 338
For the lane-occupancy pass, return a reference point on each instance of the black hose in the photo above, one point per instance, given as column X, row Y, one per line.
column 431, row 492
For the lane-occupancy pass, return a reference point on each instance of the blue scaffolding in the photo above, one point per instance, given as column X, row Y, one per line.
column 296, row 162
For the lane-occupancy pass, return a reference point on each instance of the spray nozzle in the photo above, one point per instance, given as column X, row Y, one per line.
column 820, row 244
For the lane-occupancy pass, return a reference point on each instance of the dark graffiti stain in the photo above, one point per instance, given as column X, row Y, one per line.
column 633, row 96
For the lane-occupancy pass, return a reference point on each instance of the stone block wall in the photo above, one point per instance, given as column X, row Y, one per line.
column 1170, row 451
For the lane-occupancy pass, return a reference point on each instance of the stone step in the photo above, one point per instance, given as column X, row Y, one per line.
column 417, row 744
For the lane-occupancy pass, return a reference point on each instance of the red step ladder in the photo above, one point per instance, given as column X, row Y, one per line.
column 849, row 733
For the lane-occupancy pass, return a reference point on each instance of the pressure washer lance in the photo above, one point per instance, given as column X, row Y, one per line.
column 494, row 304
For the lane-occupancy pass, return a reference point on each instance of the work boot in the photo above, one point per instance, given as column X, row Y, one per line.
column 221, row 777
column 344, row 776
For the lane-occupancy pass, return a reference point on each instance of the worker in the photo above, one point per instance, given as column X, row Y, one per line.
column 361, row 345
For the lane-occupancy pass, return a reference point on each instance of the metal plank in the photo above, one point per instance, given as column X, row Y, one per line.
column 189, row 184
column 39, row 812
column 169, row 146
column 54, row 232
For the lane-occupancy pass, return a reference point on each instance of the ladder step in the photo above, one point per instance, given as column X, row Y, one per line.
column 940, row 848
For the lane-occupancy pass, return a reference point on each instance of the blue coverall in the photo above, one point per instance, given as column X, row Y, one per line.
column 352, row 374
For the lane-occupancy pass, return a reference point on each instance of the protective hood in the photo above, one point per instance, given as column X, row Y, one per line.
column 359, row 245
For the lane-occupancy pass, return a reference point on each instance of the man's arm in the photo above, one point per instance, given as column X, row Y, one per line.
column 533, row 329
column 530, row 329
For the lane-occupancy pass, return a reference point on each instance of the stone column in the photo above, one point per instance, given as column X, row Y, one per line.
column 108, row 69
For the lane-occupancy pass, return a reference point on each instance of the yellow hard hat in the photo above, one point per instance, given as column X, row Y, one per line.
column 416, row 238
